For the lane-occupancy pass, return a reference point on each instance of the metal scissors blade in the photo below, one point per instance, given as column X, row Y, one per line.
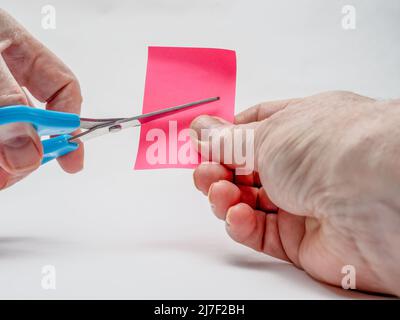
column 99, row 127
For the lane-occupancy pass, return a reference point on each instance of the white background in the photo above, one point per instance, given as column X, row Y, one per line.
column 112, row 232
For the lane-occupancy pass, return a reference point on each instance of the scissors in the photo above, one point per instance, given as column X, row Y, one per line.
column 61, row 124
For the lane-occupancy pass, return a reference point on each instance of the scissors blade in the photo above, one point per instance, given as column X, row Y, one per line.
column 99, row 127
column 89, row 123
column 135, row 121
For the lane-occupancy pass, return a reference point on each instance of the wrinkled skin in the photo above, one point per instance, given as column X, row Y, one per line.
column 25, row 62
column 329, row 166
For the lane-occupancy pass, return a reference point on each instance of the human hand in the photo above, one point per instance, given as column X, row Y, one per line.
column 25, row 62
column 325, row 189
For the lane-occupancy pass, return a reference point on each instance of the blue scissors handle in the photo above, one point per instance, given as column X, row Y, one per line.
column 46, row 123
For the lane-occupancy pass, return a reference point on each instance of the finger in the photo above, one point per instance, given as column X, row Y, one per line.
column 7, row 179
column 73, row 162
column 20, row 146
column 20, row 149
column 257, row 198
column 249, row 195
column 251, row 179
column 263, row 110
column 255, row 229
column 222, row 195
column 207, row 173
column 264, row 203
column 223, row 142
column 291, row 230
column 244, row 179
column 47, row 78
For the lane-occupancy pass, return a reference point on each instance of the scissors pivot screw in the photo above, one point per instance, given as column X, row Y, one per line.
column 115, row 128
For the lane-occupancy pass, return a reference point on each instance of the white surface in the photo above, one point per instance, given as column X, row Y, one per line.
column 112, row 232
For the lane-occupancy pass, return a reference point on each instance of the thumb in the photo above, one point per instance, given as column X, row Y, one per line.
column 220, row 141
column 20, row 148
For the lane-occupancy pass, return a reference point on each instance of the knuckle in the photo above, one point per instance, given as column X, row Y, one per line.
column 13, row 98
column 5, row 179
column 337, row 94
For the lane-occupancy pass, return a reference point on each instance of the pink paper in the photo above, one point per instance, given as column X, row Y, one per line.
column 175, row 76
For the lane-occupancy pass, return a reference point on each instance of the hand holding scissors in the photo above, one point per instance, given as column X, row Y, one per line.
column 61, row 125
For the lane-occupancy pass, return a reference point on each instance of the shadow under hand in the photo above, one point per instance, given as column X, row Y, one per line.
column 13, row 247
column 287, row 270
column 243, row 262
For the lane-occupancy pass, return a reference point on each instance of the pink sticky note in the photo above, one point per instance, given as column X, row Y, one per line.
column 175, row 76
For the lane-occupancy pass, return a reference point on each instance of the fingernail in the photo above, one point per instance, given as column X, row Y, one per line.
column 210, row 190
column 20, row 152
column 228, row 218
column 212, row 205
